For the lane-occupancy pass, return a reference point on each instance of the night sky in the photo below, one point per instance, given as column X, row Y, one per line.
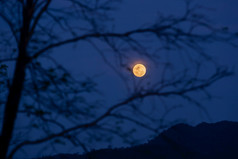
column 223, row 13
column 131, row 14
column 82, row 61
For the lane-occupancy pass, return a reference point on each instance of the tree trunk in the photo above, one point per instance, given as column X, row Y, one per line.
column 14, row 96
column 11, row 106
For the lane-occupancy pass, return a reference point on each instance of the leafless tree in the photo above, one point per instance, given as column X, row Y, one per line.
column 57, row 104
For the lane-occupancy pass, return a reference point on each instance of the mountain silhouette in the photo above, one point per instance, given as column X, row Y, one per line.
column 204, row 141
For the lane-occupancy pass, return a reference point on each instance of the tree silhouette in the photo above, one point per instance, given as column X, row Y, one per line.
column 57, row 104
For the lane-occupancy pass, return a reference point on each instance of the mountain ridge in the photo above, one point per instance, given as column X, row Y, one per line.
column 205, row 140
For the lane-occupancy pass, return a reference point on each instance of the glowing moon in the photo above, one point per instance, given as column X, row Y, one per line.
column 139, row 70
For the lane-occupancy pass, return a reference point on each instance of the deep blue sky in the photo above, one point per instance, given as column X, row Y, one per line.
column 223, row 13
column 83, row 60
column 134, row 13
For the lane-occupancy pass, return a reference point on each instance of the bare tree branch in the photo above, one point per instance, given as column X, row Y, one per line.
column 211, row 80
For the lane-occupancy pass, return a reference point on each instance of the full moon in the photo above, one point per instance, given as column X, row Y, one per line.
column 139, row 70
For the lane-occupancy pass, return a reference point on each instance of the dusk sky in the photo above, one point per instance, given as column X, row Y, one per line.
column 130, row 15
column 223, row 13
column 84, row 61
